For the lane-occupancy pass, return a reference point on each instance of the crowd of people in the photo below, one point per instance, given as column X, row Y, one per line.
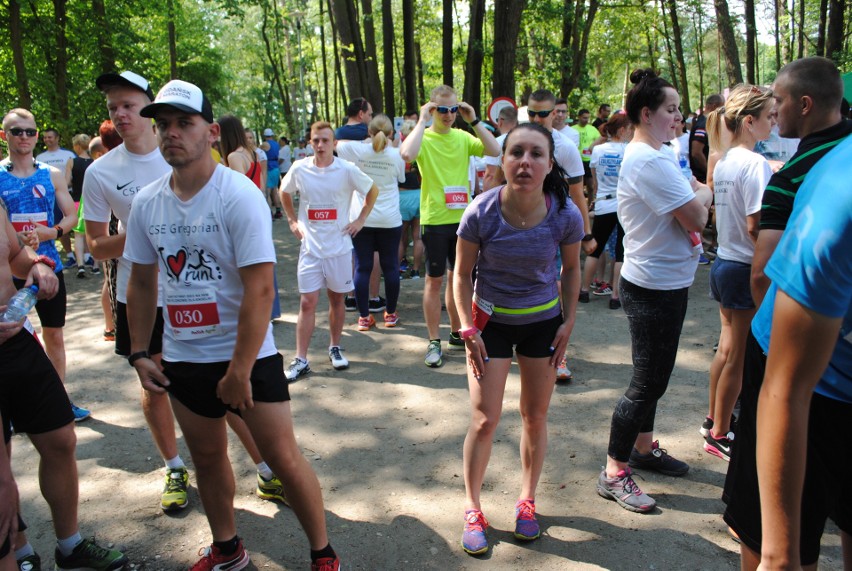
column 180, row 209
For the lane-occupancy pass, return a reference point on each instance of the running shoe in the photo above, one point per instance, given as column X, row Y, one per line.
column 174, row 491
column 80, row 413
column 434, row 356
column 584, row 297
column 296, row 369
column 213, row 560
column 350, row 304
column 658, row 460
column 563, row 373
column 326, row 564
column 278, row 215
column 271, row 490
column 338, row 361
column 109, row 335
column 703, row 260
column 603, row 289
column 719, row 446
column 403, row 266
column 91, row 264
column 526, row 526
column 391, row 319
column 623, row 490
column 70, row 261
column 474, row 541
column 378, row 305
column 414, row 274
column 456, row 342
column 615, row 304
column 706, row 427
column 29, row 563
column 81, row 274
column 90, row 555
column 365, row 323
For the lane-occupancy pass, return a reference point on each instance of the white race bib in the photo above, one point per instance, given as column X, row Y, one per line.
column 456, row 197
column 193, row 314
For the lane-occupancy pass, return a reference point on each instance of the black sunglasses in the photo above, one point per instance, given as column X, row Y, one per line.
column 443, row 109
column 17, row 132
column 541, row 114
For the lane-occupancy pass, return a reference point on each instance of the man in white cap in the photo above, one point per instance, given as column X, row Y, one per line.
column 204, row 237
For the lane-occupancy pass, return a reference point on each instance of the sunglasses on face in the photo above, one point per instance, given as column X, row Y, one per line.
column 541, row 114
column 443, row 109
column 17, row 132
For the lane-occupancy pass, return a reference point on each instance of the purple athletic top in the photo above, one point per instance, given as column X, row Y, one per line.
column 518, row 269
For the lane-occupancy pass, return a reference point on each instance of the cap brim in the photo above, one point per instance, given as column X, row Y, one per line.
column 151, row 110
column 110, row 79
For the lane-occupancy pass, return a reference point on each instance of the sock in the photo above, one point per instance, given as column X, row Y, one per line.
column 330, row 347
column 265, row 472
column 67, row 545
column 228, row 547
column 326, row 551
column 25, row 551
column 438, row 339
column 377, row 298
column 175, row 463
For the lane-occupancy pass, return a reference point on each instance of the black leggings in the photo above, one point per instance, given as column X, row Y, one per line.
column 656, row 319
column 385, row 241
column 602, row 230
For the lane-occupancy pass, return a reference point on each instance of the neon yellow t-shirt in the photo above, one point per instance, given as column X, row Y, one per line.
column 588, row 135
column 443, row 161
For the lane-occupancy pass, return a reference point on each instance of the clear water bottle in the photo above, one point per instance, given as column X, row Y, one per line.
column 20, row 305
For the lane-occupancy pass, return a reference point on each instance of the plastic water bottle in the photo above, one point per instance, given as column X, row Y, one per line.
column 20, row 305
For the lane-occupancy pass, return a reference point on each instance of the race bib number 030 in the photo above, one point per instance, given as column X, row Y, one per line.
column 456, row 197
column 194, row 314
column 23, row 221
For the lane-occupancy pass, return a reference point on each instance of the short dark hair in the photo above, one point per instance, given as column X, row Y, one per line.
column 561, row 101
column 50, row 130
column 816, row 77
column 603, row 106
column 356, row 106
column 714, row 99
column 508, row 113
column 648, row 91
column 583, row 112
column 410, row 112
column 543, row 95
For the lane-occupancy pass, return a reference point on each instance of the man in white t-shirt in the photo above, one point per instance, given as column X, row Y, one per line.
column 203, row 235
column 560, row 122
column 325, row 185
column 507, row 119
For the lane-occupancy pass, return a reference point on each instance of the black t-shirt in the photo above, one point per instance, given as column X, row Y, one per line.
column 78, row 168
column 782, row 187
column 699, row 133
column 598, row 122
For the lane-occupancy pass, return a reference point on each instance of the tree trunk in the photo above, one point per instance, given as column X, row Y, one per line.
column 409, row 56
column 447, row 42
column 387, row 48
column 576, row 27
column 61, row 69
column 751, row 42
column 326, row 100
column 25, row 99
column 801, row 29
column 273, row 61
column 338, row 72
column 371, row 62
column 681, row 61
column 475, row 56
column 507, row 26
column 834, row 41
column 675, row 78
column 419, row 55
column 170, row 25
column 823, row 19
column 777, row 35
column 699, row 56
column 352, row 49
column 728, row 43
column 106, row 52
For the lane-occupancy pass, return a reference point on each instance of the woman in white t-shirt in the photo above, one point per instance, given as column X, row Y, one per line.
column 739, row 179
column 662, row 217
column 605, row 165
column 383, row 228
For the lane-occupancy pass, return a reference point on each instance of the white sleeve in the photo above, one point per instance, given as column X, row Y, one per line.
column 569, row 159
column 250, row 227
column 137, row 247
column 754, row 184
column 290, row 184
column 662, row 187
column 359, row 181
column 97, row 208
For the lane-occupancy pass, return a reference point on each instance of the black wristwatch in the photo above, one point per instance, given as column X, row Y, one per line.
column 474, row 123
column 136, row 356
column 588, row 238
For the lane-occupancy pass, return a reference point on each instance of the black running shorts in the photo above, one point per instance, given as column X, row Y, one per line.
column 122, row 332
column 51, row 312
column 532, row 340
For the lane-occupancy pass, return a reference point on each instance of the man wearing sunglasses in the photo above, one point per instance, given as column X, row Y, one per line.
column 30, row 190
column 443, row 156
column 561, row 122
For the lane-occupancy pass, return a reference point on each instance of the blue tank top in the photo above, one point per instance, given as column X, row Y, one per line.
column 31, row 198
column 272, row 154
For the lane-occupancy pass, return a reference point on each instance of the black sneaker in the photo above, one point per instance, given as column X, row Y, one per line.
column 706, row 427
column 349, row 303
column 615, row 304
column 719, row 446
column 659, row 461
column 584, row 297
column 29, row 563
column 456, row 342
column 90, row 555
column 378, row 305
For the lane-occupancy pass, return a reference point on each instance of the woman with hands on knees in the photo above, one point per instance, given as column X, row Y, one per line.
column 513, row 233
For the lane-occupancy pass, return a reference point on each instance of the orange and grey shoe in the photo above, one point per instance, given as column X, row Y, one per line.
column 366, row 323
column 391, row 319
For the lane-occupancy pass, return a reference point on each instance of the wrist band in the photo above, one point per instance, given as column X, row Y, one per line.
column 468, row 333
column 474, row 123
column 138, row 355
column 59, row 231
column 587, row 238
column 46, row 261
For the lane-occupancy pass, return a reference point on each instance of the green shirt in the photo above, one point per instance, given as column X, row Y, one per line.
column 443, row 161
column 588, row 135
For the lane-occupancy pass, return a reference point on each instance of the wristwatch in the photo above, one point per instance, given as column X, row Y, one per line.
column 136, row 356
column 474, row 123
column 587, row 238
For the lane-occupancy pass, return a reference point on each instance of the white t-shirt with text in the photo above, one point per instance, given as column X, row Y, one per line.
column 606, row 162
column 387, row 169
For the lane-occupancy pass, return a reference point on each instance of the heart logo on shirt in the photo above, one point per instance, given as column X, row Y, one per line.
column 177, row 262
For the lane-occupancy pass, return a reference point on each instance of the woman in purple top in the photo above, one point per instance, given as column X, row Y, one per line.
column 514, row 234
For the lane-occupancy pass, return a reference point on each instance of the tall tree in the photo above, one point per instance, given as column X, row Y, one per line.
column 507, row 26
column 273, row 59
column 387, row 49
column 447, row 42
column 751, row 42
column 170, row 25
column 728, row 42
column 16, row 36
column 371, row 63
column 61, row 59
column 834, row 41
column 338, row 73
column 352, row 47
column 823, row 20
column 409, row 56
column 475, row 56
column 681, row 61
column 325, row 78
column 104, row 37
column 577, row 20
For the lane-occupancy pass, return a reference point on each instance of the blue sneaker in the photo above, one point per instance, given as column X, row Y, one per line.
column 703, row 260
column 474, row 541
column 80, row 413
column 70, row 261
column 526, row 526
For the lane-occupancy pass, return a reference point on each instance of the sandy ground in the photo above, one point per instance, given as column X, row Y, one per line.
column 385, row 439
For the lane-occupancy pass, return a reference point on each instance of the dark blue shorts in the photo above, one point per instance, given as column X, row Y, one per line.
column 730, row 284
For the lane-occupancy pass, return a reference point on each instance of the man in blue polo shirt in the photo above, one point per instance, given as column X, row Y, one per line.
column 273, row 175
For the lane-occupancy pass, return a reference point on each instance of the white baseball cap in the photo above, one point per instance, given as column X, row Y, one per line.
column 180, row 95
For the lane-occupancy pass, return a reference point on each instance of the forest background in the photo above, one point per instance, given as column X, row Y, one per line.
column 286, row 63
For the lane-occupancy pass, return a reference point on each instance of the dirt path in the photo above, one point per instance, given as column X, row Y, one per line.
column 385, row 440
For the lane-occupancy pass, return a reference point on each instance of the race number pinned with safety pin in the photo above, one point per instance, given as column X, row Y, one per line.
column 322, row 214
column 456, row 197
column 193, row 314
column 24, row 221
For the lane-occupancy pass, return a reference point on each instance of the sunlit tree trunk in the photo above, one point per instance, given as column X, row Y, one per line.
column 681, row 61
column 409, row 56
column 387, row 48
column 447, row 43
column 475, row 56
column 834, row 41
column 728, row 42
column 16, row 38
column 507, row 26
column 371, row 61
column 751, row 42
column 577, row 23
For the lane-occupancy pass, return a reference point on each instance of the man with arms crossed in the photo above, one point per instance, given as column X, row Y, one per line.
column 207, row 231
column 442, row 154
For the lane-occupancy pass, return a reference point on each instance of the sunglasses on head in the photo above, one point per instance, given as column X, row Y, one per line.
column 443, row 109
column 17, row 132
column 541, row 114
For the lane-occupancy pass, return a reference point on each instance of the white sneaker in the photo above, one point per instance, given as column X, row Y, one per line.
column 338, row 361
column 563, row 373
column 296, row 369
